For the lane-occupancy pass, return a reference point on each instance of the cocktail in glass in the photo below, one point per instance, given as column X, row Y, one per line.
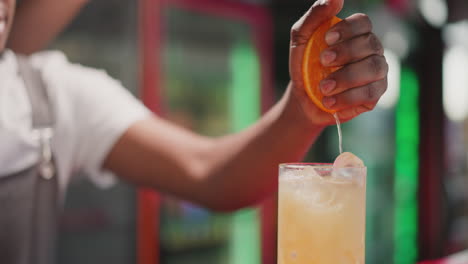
column 321, row 214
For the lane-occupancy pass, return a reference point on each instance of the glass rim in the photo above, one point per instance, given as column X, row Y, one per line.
column 301, row 165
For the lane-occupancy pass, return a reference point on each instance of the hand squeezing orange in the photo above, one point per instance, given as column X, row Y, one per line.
column 312, row 69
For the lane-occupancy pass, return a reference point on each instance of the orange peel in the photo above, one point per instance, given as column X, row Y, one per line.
column 312, row 69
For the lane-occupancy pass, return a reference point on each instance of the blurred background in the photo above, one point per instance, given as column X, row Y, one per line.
column 214, row 66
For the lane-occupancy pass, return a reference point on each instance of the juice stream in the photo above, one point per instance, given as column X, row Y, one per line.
column 340, row 136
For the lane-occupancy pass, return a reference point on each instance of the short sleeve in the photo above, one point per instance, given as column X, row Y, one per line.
column 97, row 110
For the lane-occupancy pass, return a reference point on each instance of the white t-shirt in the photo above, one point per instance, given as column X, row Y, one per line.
column 91, row 110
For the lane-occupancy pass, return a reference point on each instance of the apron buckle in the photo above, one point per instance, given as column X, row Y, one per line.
column 46, row 167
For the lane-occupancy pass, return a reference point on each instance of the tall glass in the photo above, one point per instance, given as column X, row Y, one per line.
column 321, row 214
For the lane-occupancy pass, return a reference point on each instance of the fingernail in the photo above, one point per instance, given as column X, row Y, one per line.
column 320, row 2
column 328, row 57
column 328, row 102
column 332, row 37
column 326, row 86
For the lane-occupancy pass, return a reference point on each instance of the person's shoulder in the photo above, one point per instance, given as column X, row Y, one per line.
column 40, row 60
column 48, row 58
column 57, row 62
column 55, row 66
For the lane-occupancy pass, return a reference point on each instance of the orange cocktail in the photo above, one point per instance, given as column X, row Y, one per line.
column 321, row 214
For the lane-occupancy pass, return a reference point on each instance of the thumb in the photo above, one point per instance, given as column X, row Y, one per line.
column 321, row 11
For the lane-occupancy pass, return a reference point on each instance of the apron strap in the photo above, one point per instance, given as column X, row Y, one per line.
column 46, row 205
column 42, row 116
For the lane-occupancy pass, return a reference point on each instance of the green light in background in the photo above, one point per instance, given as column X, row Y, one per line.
column 246, row 86
column 245, row 109
column 407, row 170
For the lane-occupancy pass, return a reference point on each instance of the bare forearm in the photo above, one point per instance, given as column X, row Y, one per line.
column 37, row 22
column 243, row 167
column 224, row 174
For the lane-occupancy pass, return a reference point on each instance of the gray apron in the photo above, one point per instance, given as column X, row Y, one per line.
column 28, row 200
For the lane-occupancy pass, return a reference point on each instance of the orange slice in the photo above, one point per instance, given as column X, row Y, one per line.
column 312, row 69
